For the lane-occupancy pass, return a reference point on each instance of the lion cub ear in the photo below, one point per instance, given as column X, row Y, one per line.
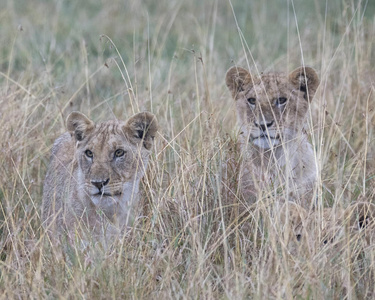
column 361, row 215
column 236, row 79
column 306, row 80
column 142, row 127
column 79, row 125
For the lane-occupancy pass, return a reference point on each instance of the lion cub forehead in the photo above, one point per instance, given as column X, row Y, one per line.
column 271, row 79
column 272, row 84
column 107, row 136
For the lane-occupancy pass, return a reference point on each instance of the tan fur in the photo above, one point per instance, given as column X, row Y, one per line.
column 293, row 221
column 97, row 188
column 325, row 228
column 271, row 112
column 330, row 228
column 360, row 218
column 312, row 232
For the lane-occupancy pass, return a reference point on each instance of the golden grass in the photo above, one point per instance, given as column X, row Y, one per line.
column 191, row 239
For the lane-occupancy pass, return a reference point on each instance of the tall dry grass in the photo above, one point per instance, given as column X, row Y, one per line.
column 191, row 238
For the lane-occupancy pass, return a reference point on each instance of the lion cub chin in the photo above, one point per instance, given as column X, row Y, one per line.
column 271, row 112
column 94, row 172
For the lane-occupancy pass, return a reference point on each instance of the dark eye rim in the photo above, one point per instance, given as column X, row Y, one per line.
column 251, row 100
column 119, row 153
column 89, row 153
column 281, row 100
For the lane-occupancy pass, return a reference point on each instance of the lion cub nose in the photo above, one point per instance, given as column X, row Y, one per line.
column 263, row 125
column 99, row 184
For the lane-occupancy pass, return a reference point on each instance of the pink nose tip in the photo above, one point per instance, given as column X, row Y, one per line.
column 263, row 127
column 100, row 184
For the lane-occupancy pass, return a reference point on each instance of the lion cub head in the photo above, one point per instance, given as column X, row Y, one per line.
column 111, row 155
column 271, row 107
column 333, row 228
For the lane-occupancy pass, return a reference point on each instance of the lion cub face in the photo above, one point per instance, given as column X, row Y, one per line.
column 111, row 154
column 271, row 108
column 333, row 228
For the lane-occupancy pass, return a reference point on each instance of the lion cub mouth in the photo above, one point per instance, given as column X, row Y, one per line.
column 265, row 141
column 105, row 194
column 264, row 136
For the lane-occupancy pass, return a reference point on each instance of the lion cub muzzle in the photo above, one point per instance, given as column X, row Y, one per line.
column 264, row 134
column 263, row 125
column 100, row 184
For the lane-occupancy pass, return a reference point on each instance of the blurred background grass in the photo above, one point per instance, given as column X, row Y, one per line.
column 59, row 56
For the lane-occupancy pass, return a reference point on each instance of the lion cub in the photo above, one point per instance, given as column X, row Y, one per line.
column 330, row 226
column 94, row 172
column 271, row 111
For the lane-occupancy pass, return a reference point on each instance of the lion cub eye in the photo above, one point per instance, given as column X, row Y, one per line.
column 281, row 101
column 89, row 153
column 252, row 101
column 119, row 153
